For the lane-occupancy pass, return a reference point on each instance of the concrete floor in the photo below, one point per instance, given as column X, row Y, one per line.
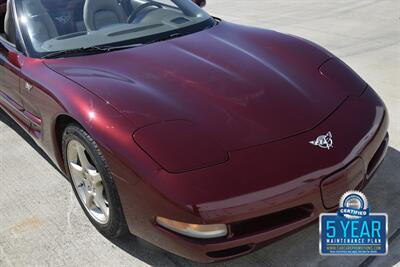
column 41, row 223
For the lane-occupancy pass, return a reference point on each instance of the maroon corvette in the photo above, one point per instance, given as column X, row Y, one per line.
column 206, row 138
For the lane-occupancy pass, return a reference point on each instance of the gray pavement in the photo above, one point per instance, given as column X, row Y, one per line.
column 41, row 223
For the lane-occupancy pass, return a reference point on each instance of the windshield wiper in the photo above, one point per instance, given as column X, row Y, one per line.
column 118, row 47
column 75, row 51
column 90, row 49
column 105, row 48
column 163, row 38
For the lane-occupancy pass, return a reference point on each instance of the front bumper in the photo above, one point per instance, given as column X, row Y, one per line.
column 275, row 188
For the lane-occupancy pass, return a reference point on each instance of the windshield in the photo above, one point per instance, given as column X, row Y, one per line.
column 49, row 26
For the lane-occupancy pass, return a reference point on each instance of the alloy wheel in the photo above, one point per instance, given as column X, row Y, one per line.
column 88, row 182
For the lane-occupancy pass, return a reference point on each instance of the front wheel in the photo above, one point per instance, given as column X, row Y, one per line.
column 92, row 182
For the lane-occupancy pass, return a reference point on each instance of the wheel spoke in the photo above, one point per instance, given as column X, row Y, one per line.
column 95, row 176
column 83, row 158
column 76, row 167
column 77, row 173
column 89, row 200
column 100, row 201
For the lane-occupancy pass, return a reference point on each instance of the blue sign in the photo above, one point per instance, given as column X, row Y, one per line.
column 353, row 230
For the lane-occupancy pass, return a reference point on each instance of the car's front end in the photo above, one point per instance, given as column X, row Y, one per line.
column 262, row 192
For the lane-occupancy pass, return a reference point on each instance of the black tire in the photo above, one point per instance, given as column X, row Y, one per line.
column 116, row 225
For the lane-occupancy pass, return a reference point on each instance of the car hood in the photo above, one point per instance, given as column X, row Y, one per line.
column 244, row 86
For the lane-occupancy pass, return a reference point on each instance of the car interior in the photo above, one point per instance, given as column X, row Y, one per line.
column 43, row 26
column 49, row 21
column 7, row 29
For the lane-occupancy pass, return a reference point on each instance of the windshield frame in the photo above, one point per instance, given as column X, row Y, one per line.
column 30, row 51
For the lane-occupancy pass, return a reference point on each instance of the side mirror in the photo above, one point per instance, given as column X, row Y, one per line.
column 15, row 59
column 200, row 3
column 11, row 54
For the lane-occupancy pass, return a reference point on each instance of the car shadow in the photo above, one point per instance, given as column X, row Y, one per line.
column 383, row 194
column 7, row 120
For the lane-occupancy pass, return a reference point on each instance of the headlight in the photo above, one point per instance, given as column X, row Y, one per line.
column 194, row 230
column 343, row 76
column 179, row 146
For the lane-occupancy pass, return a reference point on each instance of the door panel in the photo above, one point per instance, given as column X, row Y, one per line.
column 34, row 101
column 10, row 93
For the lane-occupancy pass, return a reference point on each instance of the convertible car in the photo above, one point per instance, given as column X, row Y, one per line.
column 206, row 138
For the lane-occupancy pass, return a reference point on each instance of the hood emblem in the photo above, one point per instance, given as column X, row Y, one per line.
column 324, row 141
